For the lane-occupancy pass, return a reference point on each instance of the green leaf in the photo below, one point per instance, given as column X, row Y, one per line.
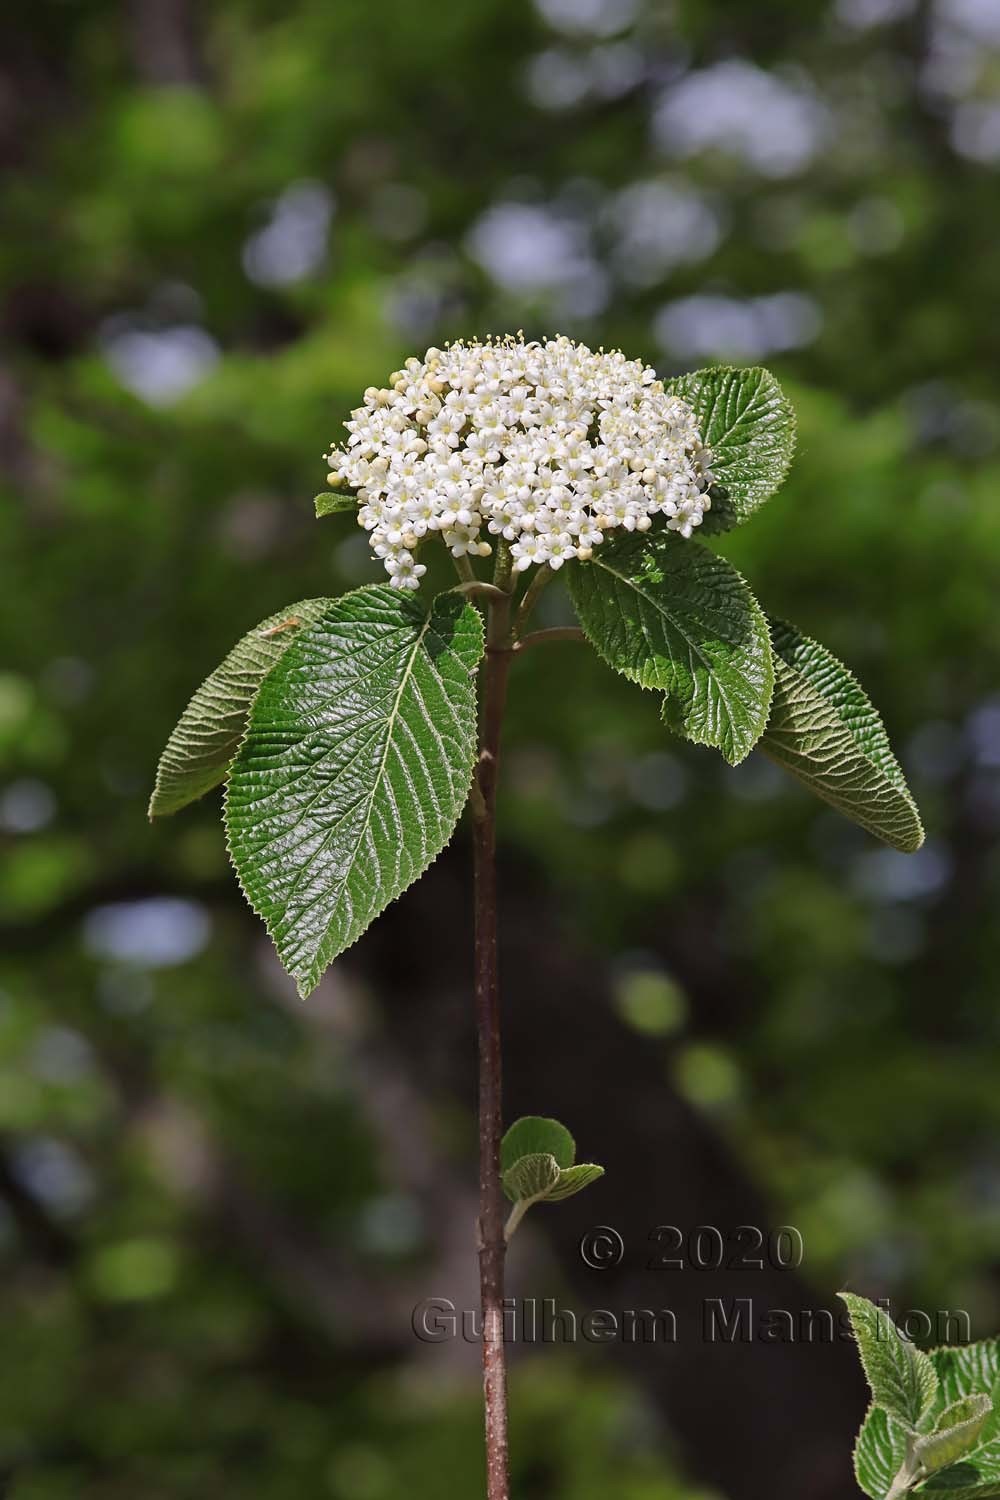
column 824, row 730
column 329, row 503
column 534, row 1134
column 957, row 1430
column 531, row 1177
column 748, row 425
column 879, row 1453
column 206, row 738
column 881, row 1450
column 963, row 1481
column 669, row 614
column 968, row 1369
column 574, row 1180
column 526, row 1150
column 903, row 1380
column 355, row 767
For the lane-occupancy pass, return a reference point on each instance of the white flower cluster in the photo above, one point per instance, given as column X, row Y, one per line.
column 545, row 444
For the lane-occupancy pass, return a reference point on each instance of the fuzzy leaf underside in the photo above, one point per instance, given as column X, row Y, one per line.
column 749, row 426
column 670, row 615
column 573, row 1180
column 536, row 1159
column 824, row 730
column 957, row 1431
column 355, row 767
column 208, row 733
column 531, row 1177
column 902, row 1378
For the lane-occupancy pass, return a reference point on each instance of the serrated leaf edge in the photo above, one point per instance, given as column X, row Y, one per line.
column 648, row 687
column 974, row 1423
column 919, row 1359
column 871, row 1407
column 901, row 786
column 713, row 525
column 260, row 629
column 303, row 986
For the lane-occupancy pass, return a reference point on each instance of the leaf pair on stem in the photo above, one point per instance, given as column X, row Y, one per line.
column 538, row 1165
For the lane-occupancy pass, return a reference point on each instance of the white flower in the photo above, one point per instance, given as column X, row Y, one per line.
column 403, row 572
column 530, row 549
column 561, row 549
column 548, row 445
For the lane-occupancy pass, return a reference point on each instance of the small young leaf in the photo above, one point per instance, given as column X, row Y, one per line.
column 956, row 1432
column 533, row 1134
column 574, row 1180
column 207, row 736
column 879, row 1453
column 531, row 1177
column 749, row 427
column 355, row 767
column 902, row 1378
column 536, row 1159
column 329, row 503
column 670, row 615
column 825, row 731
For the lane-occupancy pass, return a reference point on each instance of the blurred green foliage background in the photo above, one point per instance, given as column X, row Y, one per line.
column 217, row 1205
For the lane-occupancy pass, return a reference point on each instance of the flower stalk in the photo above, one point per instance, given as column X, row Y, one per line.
column 492, row 1240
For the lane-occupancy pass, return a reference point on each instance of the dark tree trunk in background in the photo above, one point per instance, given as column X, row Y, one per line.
column 756, row 1419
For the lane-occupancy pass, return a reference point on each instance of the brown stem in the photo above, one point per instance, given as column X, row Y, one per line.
column 492, row 1244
